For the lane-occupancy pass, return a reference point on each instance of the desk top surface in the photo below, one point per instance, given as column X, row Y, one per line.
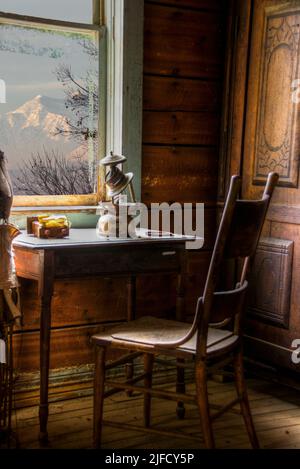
column 87, row 237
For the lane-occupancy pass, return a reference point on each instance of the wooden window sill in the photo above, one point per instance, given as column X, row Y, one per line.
column 53, row 208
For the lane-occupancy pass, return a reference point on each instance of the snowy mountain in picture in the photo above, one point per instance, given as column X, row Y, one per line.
column 32, row 127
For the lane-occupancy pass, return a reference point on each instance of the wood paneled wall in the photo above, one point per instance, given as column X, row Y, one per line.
column 183, row 72
column 183, row 78
column 183, row 69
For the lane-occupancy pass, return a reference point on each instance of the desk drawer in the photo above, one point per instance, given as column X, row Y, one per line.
column 117, row 261
column 27, row 263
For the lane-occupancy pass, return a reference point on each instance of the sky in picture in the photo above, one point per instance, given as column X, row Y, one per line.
column 24, row 74
column 78, row 11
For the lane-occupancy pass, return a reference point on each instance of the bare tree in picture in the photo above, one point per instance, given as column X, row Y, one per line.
column 81, row 99
column 53, row 174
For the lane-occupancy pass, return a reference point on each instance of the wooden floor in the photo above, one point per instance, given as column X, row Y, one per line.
column 276, row 411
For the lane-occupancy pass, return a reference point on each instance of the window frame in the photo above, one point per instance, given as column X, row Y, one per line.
column 124, row 104
column 120, row 91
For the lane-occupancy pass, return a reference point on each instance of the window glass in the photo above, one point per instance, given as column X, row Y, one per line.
column 49, row 122
column 78, row 11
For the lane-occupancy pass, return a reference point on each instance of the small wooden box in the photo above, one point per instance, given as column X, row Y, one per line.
column 37, row 229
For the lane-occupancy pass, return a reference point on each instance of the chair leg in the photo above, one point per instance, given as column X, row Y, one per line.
column 129, row 372
column 203, row 404
column 180, row 388
column 99, row 380
column 148, row 369
column 243, row 395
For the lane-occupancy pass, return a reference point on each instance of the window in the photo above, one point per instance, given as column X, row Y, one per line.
column 67, row 92
column 50, row 121
column 49, row 125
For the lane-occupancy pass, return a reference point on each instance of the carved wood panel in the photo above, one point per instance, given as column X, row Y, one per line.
column 276, row 145
column 271, row 283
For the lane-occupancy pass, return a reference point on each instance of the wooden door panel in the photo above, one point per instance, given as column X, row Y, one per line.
column 272, row 122
column 276, row 137
column 272, row 268
column 292, row 231
column 271, row 144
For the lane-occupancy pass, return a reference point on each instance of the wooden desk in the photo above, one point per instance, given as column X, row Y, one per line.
column 84, row 254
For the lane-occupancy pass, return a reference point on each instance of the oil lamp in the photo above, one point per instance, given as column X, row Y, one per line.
column 115, row 180
column 109, row 223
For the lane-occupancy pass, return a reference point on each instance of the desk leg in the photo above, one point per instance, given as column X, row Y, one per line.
column 45, row 294
column 44, row 365
column 131, row 298
column 180, row 383
column 131, row 310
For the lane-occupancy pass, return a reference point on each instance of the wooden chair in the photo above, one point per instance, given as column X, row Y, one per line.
column 214, row 338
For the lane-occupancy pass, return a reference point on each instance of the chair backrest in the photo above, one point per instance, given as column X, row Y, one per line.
column 237, row 238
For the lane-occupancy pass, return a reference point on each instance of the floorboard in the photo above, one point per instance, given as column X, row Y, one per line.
column 276, row 412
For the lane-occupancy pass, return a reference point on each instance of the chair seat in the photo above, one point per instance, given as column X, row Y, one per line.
column 150, row 332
